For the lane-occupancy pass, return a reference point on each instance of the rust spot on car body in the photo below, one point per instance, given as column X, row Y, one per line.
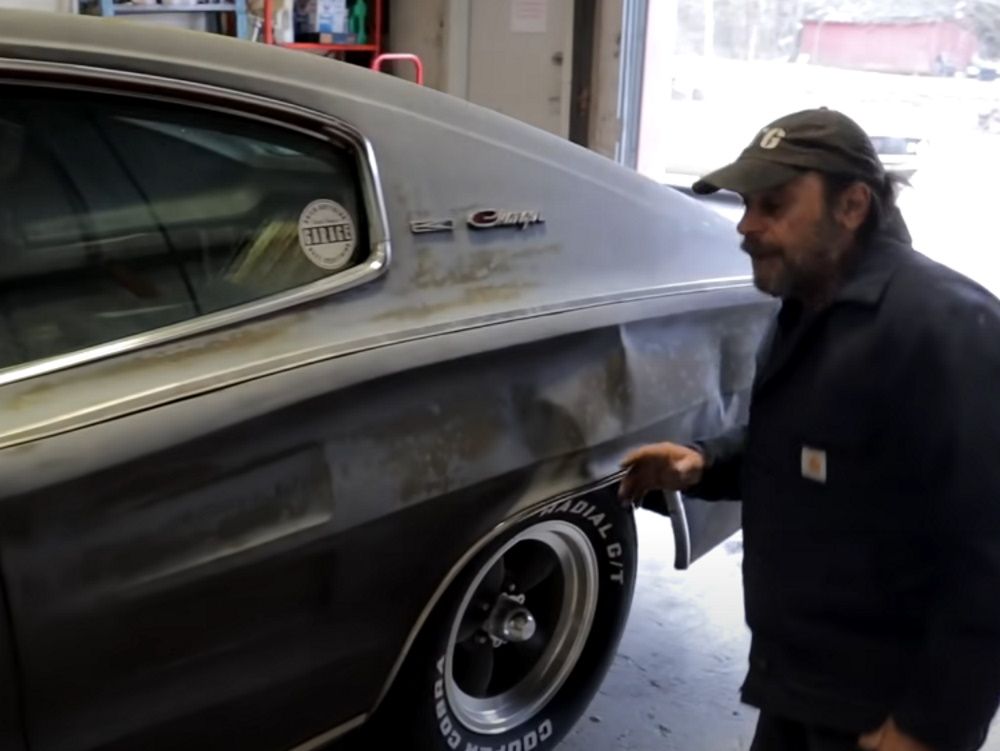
column 233, row 340
column 429, row 449
column 471, row 296
column 434, row 271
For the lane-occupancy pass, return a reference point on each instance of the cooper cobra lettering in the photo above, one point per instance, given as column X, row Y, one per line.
column 454, row 739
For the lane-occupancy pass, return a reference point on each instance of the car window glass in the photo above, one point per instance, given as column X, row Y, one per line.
column 121, row 216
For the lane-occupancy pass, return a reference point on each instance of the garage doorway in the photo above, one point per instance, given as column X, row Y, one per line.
column 923, row 82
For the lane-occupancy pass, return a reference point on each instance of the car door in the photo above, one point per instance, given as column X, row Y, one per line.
column 170, row 571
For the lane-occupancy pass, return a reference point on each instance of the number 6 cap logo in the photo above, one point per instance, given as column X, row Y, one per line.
column 772, row 137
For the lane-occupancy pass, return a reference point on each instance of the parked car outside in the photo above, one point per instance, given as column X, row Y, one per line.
column 702, row 120
column 315, row 384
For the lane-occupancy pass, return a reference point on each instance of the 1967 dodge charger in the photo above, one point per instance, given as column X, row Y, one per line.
column 314, row 385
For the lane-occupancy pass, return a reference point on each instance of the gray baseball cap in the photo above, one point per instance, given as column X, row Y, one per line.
column 821, row 139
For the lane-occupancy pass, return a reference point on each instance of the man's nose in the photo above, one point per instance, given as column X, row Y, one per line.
column 749, row 224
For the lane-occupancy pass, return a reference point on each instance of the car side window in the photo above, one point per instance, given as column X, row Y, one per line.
column 122, row 215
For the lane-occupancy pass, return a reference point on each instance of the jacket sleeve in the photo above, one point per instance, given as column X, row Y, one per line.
column 723, row 466
column 955, row 683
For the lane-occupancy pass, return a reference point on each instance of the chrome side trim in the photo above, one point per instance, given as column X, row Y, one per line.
column 353, row 277
column 330, row 735
column 462, row 562
column 319, row 125
column 682, row 532
column 241, row 374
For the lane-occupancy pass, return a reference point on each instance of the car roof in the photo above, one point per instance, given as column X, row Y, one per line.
column 128, row 44
column 307, row 80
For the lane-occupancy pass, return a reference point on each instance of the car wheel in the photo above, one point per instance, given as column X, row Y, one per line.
column 520, row 643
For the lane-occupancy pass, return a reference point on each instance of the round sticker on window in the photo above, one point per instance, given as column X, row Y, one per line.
column 327, row 234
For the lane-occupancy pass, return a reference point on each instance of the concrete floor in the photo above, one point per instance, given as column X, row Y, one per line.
column 675, row 681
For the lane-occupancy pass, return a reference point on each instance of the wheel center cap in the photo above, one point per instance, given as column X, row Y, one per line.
column 519, row 626
column 511, row 621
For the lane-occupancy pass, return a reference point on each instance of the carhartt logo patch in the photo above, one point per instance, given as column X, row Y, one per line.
column 772, row 137
column 814, row 464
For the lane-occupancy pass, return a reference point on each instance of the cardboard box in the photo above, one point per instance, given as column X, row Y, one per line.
column 329, row 38
column 320, row 17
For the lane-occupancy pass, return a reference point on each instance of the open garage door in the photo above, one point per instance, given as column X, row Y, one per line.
column 923, row 80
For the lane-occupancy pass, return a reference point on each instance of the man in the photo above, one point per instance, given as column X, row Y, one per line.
column 870, row 466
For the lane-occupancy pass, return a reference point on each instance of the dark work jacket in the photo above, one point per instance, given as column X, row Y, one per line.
column 870, row 478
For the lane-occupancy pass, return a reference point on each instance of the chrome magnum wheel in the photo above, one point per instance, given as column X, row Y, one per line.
column 520, row 642
column 521, row 627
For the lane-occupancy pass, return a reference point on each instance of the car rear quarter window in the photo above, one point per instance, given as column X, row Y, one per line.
column 122, row 215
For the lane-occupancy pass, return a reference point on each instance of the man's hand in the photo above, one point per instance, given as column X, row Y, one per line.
column 890, row 738
column 660, row 466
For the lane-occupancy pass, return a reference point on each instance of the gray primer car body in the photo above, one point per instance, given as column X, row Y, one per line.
column 254, row 519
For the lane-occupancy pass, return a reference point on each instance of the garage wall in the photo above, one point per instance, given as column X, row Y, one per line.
column 438, row 31
column 419, row 26
column 605, row 127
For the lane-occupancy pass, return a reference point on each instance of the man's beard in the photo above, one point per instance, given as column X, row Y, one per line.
column 809, row 273
column 777, row 283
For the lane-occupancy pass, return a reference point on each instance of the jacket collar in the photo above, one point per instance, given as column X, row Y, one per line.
column 868, row 277
column 864, row 284
column 870, row 274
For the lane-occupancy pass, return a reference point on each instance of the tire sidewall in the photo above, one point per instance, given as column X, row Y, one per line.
column 610, row 528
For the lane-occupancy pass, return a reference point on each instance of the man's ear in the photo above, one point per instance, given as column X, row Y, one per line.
column 854, row 204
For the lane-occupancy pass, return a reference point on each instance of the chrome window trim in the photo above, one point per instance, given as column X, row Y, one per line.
column 322, row 126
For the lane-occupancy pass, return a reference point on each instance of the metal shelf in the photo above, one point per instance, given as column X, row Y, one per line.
column 122, row 10
column 318, row 47
column 109, row 8
column 373, row 48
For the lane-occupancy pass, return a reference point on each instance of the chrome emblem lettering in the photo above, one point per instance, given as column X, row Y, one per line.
column 493, row 219
column 426, row 226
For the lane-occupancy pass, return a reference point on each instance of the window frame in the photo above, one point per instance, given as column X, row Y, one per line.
column 191, row 95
